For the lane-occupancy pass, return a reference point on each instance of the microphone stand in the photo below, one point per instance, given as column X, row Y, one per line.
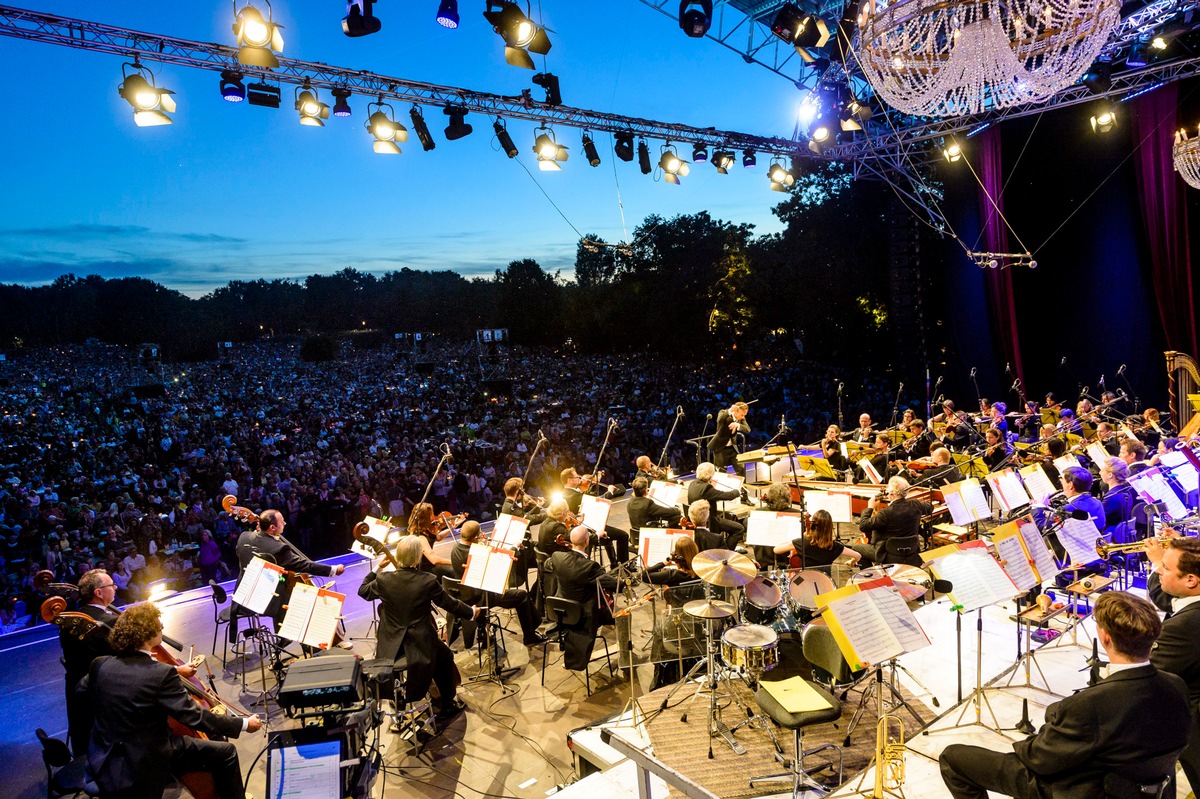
column 1136, row 402
column 841, row 422
column 896, row 407
column 978, row 394
column 446, row 456
column 666, row 446
column 699, row 441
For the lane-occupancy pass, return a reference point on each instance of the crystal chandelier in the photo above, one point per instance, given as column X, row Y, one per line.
column 953, row 57
column 1186, row 154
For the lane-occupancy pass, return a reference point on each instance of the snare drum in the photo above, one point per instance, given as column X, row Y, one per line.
column 802, row 588
column 750, row 647
column 761, row 601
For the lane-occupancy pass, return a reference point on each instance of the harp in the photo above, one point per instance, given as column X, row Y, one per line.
column 1183, row 385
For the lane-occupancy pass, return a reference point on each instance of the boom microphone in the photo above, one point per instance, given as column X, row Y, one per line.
column 972, row 371
column 679, row 410
column 446, row 451
column 1121, row 369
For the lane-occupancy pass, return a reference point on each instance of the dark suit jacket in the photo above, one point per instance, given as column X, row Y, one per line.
column 78, row 653
column 1177, row 650
column 133, row 695
column 723, row 439
column 643, row 511
column 1133, row 723
column 698, row 489
column 899, row 520
column 548, row 535
column 534, row 515
column 577, row 575
column 281, row 552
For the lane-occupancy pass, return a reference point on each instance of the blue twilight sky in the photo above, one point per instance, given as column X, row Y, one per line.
column 232, row 191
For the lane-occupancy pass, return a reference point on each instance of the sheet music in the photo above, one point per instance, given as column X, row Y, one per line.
column 972, row 493
column 509, row 530
column 1007, row 486
column 594, row 512
column 766, row 528
column 1038, row 549
column 1153, row 487
column 1066, row 462
column 1036, row 481
column 727, row 482
column 866, row 628
column 1098, row 454
column 258, row 585
column 899, row 619
column 959, row 511
column 977, row 578
column 1010, row 546
column 655, row 546
column 1182, row 470
column 299, row 611
column 666, row 494
column 870, row 471
column 836, row 503
column 1078, row 537
column 326, row 614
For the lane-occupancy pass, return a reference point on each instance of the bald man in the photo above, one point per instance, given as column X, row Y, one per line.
column 579, row 579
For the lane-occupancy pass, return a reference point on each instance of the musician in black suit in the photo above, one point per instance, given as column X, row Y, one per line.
column 730, row 422
column 269, row 544
column 702, row 488
column 553, row 533
column 645, row 512
column 1104, row 741
column 96, row 592
column 943, row 471
column 514, row 598
column 515, row 505
column 1174, row 586
column 610, row 535
column 1133, row 452
column 895, row 530
column 706, row 538
column 957, row 433
column 406, row 627
column 133, row 754
column 919, row 444
column 579, row 578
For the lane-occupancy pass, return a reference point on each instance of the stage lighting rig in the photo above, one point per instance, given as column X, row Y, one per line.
column 521, row 35
column 749, row 159
column 952, row 152
column 623, row 146
column 341, row 108
column 360, row 19
column 699, row 153
column 644, row 157
column 447, row 15
column 1002, row 260
column 422, row 131
column 263, row 94
column 233, row 89
column 589, row 150
column 549, row 151
column 458, row 126
column 151, row 105
column 382, row 125
column 695, row 17
column 549, row 82
column 313, row 112
column 673, row 167
column 1104, row 121
column 781, row 179
column 258, row 39
column 723, row 160
column 506, row 142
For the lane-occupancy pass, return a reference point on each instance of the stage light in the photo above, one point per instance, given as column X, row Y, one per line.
column 1105, row 121
column 644, row 157
column 458, row 126
column 520, row 34
column 808, row 110
column 695, row 17
column 723, row 160
column 549, row 152
column 821, row 129
column 589, row 150
column 360, row 19
column 801, row 30
column 1098, row 79
column 258, row 39
column 1158, row 42
column 341, row 108
column 382, row 125
column 418, row 123
column 151, row 105
column 859, row 110
column 781, row 179
column 447, row 15
column 699, row 153
column 1139, row 55
column 506, row 142
column 788, row 22
column 749, row 160
column 623, row 148
column 673, row 167
column 232, row 87
column 313, row 112
column 952, row 152
column 549, row 82
column 263, row 94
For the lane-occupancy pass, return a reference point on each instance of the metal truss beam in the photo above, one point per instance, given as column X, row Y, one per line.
column 150, row 47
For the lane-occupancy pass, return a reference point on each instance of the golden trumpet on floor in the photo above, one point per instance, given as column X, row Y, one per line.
column 1105, row 549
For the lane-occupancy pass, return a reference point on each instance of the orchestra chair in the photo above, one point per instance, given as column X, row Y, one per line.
column 453, row 587
column 544, row 589
column 830, row 669
column 1153, row 778
column 413, row 721
column 566, row 615
column 65, row 776
column 226, row 616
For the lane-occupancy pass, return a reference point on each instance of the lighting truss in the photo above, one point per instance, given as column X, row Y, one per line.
column 1002, row 260
column 84, row 35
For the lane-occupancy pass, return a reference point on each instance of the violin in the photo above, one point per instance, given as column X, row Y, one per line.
column 528, row 502
column 686, row 524
column 588, row 481
column 443, row 524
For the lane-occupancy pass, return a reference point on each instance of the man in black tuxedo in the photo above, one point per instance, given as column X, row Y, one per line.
column 609, row 535
column 943, row 471
column 515, row 598
column 895, row 530
column 514, row 491
column 133, row 754
column 1104, row 741
column 1174, row 586
column 269, row 544
column 730, row 422
column 406, row 625
column 576, row 577
column 96, row 591
column 702, row 488
column 645, row 512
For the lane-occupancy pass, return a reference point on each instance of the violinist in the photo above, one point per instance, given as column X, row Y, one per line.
column 677, row 568
column 97, row 591
column 516, row 599
column 817, row 546
column 647, row 469
column 865, row 433
column 1133, row 452
column 518, row 503
column 907, row 418
column 610, row 535
column 918, row 445
column 702, row 488
column 1030, row 423
column 944, row 470
column 269, row 544
column 421, row 524
column 957, row 433
column 1119, row 496
column 831, row 448
column 996, row 450
column 879, row 458
column 1108, row 438
column 895, row 530
column 645, row 512
column 998, row 417
column 731, row 421
column 132, row 752
column 552, row 534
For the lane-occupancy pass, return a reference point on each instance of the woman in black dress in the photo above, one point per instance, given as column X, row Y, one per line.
column 817, row 546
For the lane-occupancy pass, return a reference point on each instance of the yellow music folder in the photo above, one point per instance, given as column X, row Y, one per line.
column 795, row 695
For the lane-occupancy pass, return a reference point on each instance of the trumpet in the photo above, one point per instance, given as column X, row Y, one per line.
column 1106, row 550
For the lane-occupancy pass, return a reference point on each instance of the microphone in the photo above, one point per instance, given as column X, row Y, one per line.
column 1101, row 381
column 1008, row 368
column 783, row 423
column 1081, row 515
column 679, row 410
column 943, row 586
column 1123, row 394
column 1015, row 385
column 938, row 401
column 1063, row 362
column 1083, row 392
column 446, row 451
column 612, row 422
column 1121, row 369
column 901, row 387
column 708, row 416
column 972, row 372
column 840, row 386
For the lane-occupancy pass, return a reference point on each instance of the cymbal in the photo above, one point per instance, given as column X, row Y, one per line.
column 708, row 609
column 911, row 581
column 723, row 567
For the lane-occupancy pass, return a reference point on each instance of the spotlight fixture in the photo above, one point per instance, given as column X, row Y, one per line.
column 549, row 152
column 673, row 167
column 382, row 125
column 341, row 108
column 360, row 19
column 1098, row 79
column 857, row 111
column 263, row 94
column 258, row 39
column 695, row 17
column 644, row 157
column 521, row 36
column 506, row 142
column 781, row 179
column 151, row 105
column 1105, row 121
column 458, row 126
column 418, row 123
column 1159, row 42
column 549, row 82
column 1002, row 260
column 723, row 160
column 788, row 22
column 749, row 160
column 313, row 112
column 623, row 148
column 952, row 152
column 232, row 87
column 699, row 153
column 589, row 150
column 1139, row 54
column 447, row 15
column 801, row 30
column 821, row 129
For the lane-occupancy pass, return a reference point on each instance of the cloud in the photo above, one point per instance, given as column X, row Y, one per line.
column 81, row 233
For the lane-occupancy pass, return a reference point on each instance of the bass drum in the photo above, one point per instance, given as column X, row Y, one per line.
column 803, row 587
column 762, row 601
column 750, row 648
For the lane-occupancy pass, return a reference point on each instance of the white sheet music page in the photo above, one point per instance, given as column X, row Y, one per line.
column 1182, row 470
column 495, row 576
column 1012, row 551
column 509, row 530
column 594, row 512
column 475, row 570
column 727, row 482
column 666, row 494
column 656, row 546
column 259, row 585
column 1078, row 537
column 1009, row 489
column 1036, row 482
column 1038, row 549
column 326, row 612
column 299, row 611
column 766, row 528
column 837, row 504
column 899, row 619
column 1065, row 462
column 1153, row 487
column 870, row 471
column 977, row 578
column 866, row 628
column 1098, row 454
column 973, row 494
column 959, row 511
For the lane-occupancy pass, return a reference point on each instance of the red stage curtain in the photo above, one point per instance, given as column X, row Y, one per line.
column 999, row 282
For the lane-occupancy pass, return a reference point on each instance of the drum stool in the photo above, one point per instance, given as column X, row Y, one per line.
column 796, row 722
